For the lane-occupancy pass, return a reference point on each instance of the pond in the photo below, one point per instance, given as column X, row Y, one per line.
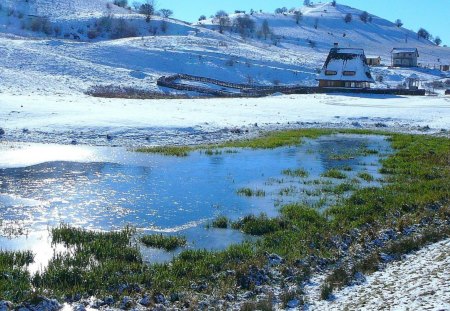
column 105, row 188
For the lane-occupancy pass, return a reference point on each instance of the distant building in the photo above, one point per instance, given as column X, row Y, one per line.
column 345, row 68
column 444, row 67
column 373, row 60
column 404, row 57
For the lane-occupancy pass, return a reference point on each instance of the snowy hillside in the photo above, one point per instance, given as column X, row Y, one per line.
column 77, row 47
column 322, row 25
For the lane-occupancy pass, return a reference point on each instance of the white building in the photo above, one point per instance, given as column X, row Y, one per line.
column 345, row 68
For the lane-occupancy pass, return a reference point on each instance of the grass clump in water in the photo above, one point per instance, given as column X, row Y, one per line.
column 14, row 277
column 250, row 192
column 168, row 243
column 257, row 225
column 296, row 173
column 334, row 173
column 220, row 222
column 177, row 151
column 366, row 176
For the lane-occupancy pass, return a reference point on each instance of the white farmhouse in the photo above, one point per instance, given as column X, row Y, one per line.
column 345, row 68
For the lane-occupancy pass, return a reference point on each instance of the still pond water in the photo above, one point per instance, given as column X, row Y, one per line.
column 106, row 188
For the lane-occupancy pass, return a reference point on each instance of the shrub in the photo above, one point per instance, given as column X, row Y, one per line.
column 92, row 33
column 348, row 18
column 122, row 29
column 220, row 222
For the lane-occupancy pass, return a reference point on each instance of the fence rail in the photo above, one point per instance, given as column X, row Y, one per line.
column 248, row 90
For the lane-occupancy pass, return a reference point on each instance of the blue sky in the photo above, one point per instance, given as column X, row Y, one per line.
column 433, row 15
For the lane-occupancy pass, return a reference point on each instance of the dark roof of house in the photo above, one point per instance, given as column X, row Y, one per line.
column 405, row 50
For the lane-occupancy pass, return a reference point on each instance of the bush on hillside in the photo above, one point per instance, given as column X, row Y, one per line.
column 424, row 34
column 348, row 18
column 122, row 29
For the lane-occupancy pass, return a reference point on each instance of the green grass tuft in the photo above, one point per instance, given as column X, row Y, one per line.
column 296, row 173
column 250, row 192
column 334, row 173
column 168, row 243
column 177, row 151
column 220, row 222
column 366, row 176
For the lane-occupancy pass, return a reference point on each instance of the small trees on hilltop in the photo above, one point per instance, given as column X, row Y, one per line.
column 166, row 13
column 244, row 25
column 121, row 3
column 202, row 18
column 148, row 9
column 281, row 10
column 307, row 2
column 298, row 17
column 424, row 34
column 223, row 19
column 398, row 23
column 364, row 17
column 437, row 40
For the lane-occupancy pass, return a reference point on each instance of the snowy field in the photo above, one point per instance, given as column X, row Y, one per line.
column 61, row 119
column 420, row 282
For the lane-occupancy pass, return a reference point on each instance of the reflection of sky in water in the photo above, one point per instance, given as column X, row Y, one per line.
column 159, row 193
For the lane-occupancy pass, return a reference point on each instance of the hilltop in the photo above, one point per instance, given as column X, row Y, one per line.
column 81, row 44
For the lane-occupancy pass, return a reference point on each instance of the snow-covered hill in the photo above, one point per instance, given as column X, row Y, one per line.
column 68, row 58
column 322, row 25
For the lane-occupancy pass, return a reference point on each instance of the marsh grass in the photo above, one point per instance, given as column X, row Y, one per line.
column 296, row 172
column 334, row 173
column 177, row 151
column 417, row 179
column 258, row 225
column 166, row 242
column 220, row 222
column 14, row 277
column 251, row 192
column 366, row 176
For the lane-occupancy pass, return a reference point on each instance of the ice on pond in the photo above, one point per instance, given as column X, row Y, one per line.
column 107, row 188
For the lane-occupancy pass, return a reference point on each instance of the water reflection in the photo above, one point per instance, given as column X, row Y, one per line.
column 108, row 188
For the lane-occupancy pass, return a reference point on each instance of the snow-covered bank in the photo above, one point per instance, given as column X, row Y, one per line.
column 88, row 120
column 420, row 282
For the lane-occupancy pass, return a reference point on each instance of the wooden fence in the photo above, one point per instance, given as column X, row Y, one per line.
column 248, row 90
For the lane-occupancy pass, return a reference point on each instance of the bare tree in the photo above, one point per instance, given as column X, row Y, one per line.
column 223, row 20
column 166, row 13
column 298, row 16
column 148, row 9
column 244, row 25
column 265, row 29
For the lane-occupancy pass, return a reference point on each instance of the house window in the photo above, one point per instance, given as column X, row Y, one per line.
column 349, row 73
column 330, row 73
